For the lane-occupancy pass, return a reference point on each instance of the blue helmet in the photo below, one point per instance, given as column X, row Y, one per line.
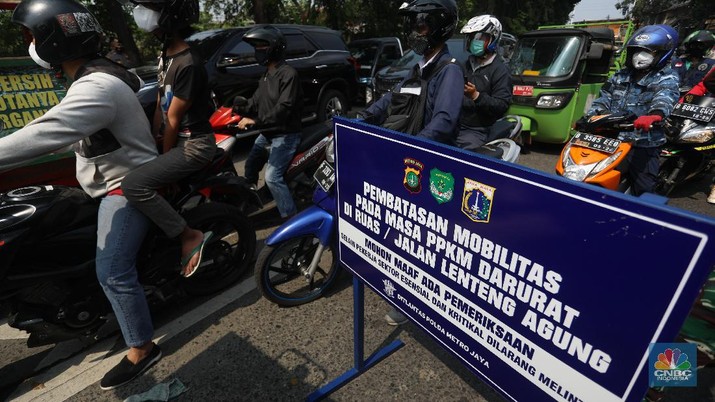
column 660, row 39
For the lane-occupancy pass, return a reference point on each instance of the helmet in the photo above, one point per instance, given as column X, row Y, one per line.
column 699, row 42
column 63, row 29
column 175, row 14
column 487, row 24
column 440, row 17
column 267, row 35
column 659, row 39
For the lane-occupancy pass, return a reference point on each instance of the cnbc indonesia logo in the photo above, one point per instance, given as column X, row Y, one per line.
column 671, row 367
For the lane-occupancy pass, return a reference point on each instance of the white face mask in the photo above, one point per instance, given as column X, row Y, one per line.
column 642, row 60
column 36, row 57
column 146, row 19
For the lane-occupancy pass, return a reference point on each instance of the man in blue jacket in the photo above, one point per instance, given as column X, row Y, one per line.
column 647, row 87
column 428, row 25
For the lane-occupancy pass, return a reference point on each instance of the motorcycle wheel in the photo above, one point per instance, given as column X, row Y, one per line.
column 279, row 271
column 228, row 254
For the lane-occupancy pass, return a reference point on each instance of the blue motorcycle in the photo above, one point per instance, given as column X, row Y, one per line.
column 299, row 262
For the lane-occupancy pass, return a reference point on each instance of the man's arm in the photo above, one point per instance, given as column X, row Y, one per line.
column 603, row 102
column 84, row 110
column 496, row 104
column 666, row 94
column 449, row 92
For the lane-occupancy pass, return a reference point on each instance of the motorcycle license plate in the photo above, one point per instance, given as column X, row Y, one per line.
column 325, row 176
column 595, row 142
column 695, row 112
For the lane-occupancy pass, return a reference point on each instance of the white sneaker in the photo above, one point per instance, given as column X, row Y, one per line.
column 394, row 317
column 711, row 197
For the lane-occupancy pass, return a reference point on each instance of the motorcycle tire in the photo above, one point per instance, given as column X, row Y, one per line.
column 279, row 271
column 229, row 252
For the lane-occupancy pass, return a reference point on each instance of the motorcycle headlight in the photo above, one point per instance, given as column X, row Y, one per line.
column 365, row 80
column 697, row 135
column 573, row 171
column 330, row 150
column 11, row 215
column 604, row 164
column 553, row 101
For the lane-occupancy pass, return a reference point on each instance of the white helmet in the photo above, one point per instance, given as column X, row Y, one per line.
column 488, row 24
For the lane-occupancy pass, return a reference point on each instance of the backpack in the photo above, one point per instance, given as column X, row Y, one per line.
column 407, row 107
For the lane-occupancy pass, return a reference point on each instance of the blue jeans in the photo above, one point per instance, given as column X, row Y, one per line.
column 282, row 150
column 120, row 232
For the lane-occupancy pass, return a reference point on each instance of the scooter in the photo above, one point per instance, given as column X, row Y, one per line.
column 595, row 155
column 48, row 282
column 298, row 264
column 308, row 156
column 690, row 150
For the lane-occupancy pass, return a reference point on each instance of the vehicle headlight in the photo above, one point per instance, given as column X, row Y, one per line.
column 364, row 80
column 553, row 101
column 604, row 164
column 13, row 214
column 572, row 171
column 330, row 150
column 697, row 135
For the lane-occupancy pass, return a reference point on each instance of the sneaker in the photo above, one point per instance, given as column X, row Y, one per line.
column 394, row 317
column 711, row 197
column 126, row 371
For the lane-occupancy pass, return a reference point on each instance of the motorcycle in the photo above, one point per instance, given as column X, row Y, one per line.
column 48, row 283
column 298, row 263
column 595, row 155
column 690, row 150
column 308, row 156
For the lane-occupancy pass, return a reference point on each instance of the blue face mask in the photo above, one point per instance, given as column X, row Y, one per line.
column 476, row 47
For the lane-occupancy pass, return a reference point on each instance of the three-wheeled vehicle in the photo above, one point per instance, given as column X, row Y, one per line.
column 556, row 75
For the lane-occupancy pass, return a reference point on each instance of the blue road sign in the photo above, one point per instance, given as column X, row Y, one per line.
column 545, row 288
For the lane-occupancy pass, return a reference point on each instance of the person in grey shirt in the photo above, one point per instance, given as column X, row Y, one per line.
column 102, row 120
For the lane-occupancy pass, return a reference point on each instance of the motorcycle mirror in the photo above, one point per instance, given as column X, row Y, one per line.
column 240, row 101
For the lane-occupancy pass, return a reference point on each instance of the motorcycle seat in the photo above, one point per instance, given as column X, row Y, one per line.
column 312, row 134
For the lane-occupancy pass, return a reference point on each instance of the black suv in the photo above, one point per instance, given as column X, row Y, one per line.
column 327, row 70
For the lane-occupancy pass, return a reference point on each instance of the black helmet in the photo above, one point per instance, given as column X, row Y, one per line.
column 175, row 14
column 270, row 36
column 439, row 16
column 699, row 42
column 660, row 39
column 63, row 29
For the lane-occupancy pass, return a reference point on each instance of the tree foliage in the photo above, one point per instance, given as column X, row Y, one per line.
column 689, row 15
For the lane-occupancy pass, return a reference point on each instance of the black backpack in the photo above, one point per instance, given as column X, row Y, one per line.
column 407, row 107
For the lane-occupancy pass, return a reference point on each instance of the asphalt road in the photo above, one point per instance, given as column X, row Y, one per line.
column 238, row 346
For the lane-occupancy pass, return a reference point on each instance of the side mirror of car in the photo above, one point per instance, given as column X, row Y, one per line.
column 595, row 51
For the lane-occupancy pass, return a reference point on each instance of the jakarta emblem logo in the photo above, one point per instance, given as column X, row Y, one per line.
column 413, row 175
column 441, row 185
column 477, row 200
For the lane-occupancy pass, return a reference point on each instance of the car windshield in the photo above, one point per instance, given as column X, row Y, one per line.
column 545, row 56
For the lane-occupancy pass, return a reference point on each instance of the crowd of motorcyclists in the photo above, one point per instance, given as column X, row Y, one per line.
column 118, row 161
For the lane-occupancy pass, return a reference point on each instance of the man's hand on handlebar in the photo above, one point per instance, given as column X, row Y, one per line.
column 245, row 123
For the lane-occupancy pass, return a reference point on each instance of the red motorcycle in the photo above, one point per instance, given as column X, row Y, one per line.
column 308, row 156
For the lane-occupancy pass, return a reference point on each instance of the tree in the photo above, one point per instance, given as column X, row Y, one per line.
column 691, row 14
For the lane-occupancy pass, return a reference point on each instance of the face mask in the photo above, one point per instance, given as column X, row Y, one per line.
column 419, row 43
column 146, row 19
column 261, row 56
column 476, row 47
column 36, row 57
column 642, row 60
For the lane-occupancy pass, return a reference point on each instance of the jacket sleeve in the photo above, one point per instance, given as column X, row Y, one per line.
column 496, row 104
column 602, row 104
column 447, row 105
column 83, row 111
column 377, row 112
column 288, row 91
column 666, row 90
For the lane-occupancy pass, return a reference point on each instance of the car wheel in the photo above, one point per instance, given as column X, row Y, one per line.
column 332, row 103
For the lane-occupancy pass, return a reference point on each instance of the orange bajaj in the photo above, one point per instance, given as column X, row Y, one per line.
column 595, row 154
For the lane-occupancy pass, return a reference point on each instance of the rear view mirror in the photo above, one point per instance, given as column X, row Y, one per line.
column 595, row 51
column 239, row 101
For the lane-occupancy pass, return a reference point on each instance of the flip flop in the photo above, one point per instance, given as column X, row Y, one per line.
column 198, row 249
